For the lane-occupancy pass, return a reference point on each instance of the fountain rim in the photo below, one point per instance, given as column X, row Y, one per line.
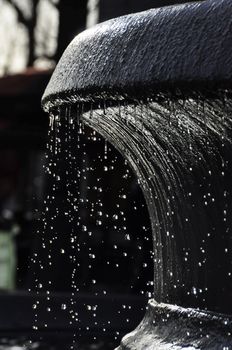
column 94, row 99
column 135, row 56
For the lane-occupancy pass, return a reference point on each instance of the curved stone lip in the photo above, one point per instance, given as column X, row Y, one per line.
column 168, row 326
column 130, row 56
column 163, row 309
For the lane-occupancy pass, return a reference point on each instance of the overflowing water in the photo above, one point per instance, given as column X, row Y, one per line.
column 94, row 234
column 179, row 147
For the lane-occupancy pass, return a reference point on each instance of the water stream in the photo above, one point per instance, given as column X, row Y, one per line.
column 91, row 239
column 179, row 147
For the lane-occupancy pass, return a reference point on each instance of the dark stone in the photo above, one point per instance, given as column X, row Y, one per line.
column 167, row 327
column 171, row 46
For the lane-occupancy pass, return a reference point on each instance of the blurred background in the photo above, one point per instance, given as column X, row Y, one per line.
column 33, row 36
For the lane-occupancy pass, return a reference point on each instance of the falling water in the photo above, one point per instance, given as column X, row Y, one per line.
column 87, row 233
column 179, row 147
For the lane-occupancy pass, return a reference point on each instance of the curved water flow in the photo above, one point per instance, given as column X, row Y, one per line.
column 180, row 148
column 179, row 144
column 180, row 151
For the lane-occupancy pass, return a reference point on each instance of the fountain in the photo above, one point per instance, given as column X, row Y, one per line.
column 157, row 85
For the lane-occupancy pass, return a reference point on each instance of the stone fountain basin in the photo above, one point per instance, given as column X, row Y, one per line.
column 130, row 55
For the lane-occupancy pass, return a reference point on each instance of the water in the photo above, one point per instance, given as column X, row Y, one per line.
column 89, row 239
column 179, row 148
column 100, row 199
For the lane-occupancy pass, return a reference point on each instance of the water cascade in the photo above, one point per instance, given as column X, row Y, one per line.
column 157, row 86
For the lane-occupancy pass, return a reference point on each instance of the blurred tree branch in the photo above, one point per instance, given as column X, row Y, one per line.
column 31, row 33
column 55, row 4
column 30, row 25
column 72, row 20
column 21, row 17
